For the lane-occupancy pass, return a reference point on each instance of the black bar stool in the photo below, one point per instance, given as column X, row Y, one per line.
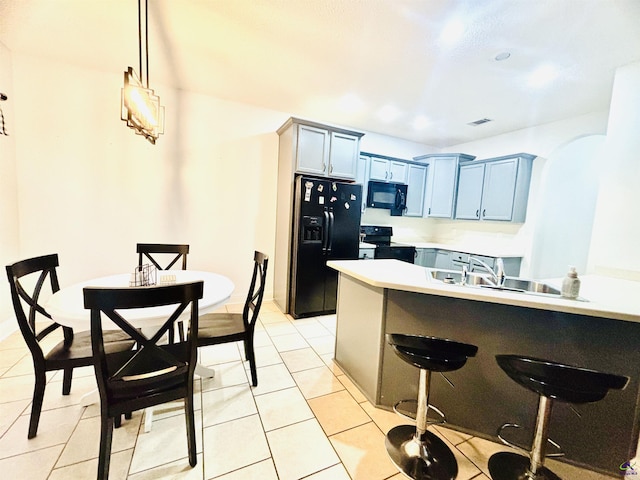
column 417, row 453
column 551, row 381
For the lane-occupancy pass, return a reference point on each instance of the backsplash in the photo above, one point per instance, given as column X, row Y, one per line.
column 505, row 236
column 405, row 229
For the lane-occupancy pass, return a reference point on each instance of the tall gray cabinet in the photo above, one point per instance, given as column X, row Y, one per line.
column 306, row 148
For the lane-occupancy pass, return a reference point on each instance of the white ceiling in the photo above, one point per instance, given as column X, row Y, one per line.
column 305, row 57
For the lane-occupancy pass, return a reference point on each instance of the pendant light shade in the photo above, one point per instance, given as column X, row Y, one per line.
column 141, row 107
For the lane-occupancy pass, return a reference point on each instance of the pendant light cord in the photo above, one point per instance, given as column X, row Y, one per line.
column 146, row 36
column 140, row 42
column 144, row 74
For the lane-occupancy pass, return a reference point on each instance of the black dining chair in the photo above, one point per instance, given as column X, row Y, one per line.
column 217, row 328
column 153, row 252
column 28, row 279
column 153, row 373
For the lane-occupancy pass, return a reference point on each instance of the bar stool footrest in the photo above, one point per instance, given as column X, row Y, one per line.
column 408, row 408
column 523, row 450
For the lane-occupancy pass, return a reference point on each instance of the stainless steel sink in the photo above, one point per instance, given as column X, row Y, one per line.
column 445, row 276
column 527, row 286
column 454, row 277
column 511, row 284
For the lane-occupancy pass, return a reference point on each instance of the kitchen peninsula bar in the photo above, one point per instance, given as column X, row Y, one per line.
column 376, row 297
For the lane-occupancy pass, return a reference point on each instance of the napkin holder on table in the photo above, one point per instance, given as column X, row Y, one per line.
column 143, row 276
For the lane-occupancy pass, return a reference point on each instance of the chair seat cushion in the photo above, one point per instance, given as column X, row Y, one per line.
column 81, row 350
column 213, row 325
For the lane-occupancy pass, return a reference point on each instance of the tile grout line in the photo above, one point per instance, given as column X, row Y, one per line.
column 313, row 413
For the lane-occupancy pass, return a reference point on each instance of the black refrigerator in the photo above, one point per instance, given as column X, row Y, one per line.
column 326, row 226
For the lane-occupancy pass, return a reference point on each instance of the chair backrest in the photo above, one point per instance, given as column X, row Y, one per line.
column 146, row 250
column 151, row 367
column 256, row 289
column 25, row 293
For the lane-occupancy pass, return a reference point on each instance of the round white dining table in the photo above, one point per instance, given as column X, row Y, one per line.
column 66, row 306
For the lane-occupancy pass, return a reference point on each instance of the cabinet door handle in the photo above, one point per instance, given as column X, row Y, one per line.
column 478, row 213
column 484, row 212
column 391, row 175
column 386, row 175
column 331, row 168
column 324, row 166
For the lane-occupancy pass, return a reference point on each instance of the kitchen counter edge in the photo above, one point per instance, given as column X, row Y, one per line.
column 397, row 275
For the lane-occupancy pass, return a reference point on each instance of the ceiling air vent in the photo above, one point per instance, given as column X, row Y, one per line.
column 479, row 122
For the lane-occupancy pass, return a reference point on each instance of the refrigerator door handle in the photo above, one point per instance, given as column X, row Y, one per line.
column 327, row 231
column 331, row 219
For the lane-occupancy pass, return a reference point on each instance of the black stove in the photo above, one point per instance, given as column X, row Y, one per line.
column 380, row 236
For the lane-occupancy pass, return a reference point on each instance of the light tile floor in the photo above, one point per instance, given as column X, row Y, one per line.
column 305, row 419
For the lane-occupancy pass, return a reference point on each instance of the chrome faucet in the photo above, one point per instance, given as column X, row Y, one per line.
column 497, row 275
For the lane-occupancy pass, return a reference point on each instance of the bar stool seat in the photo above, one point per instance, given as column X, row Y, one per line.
column 418, row 453
column 551, row 381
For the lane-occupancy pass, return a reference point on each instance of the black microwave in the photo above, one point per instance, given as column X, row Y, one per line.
column 392, row 196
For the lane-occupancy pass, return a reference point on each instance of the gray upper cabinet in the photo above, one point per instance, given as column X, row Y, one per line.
column 469, row 197
column 396, row 170
column 362, row 177
column 388, row 170
column 499, row 189
column 312, row 154
column 416, row 179
column 442, row 182
column 343, row 155
column 322, row 150
column 494, row 189
column 379, row 169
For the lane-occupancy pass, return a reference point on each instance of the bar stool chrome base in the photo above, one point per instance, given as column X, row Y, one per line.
column 511, row 466
column 426, row 458
column 551, row 381
column 416, row 452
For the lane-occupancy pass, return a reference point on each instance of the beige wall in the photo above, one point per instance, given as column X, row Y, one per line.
column 614, row 246
column 9, row 240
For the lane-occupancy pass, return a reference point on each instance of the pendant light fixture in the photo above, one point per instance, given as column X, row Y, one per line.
column 140, row 105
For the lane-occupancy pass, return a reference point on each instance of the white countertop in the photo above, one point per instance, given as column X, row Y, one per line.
column 607, row 297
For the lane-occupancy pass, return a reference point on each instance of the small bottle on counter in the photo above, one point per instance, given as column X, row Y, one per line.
column 571, row 284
